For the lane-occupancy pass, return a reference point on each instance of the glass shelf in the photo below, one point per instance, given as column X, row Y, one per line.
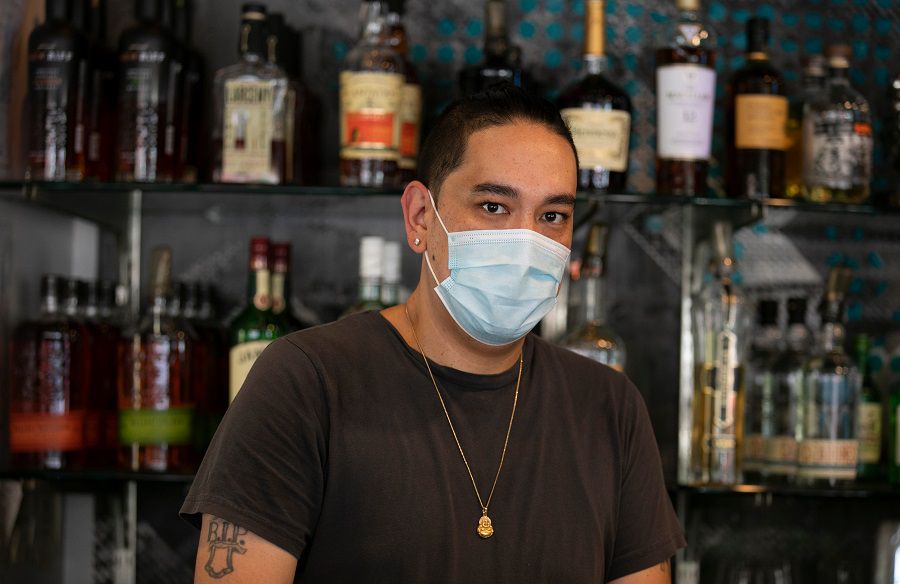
column 857, row 490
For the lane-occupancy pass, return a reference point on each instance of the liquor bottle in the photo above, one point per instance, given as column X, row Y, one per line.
column 48, row 393
column 783, row 418
column 685, row 97
column 813, row 83
column 390, row 281
column 57, row 83
column 837, row 137
column 502, row 61
column 829, row 450
column 150, row 81
column 719, row 336
column 757, row 124
column 156, row 396
column 371, row 266
column 765, row 347
column 371, row 93
column 255, row 326
column 411, row 99
column 868, row 414
column 250, row 109
column 101, row 103
column 101, row 424
column 280, row 52
column 178, row 18
column 281, row 289
column 212, row 392
column 594, row 338
column 598, row 113
column 309, row 163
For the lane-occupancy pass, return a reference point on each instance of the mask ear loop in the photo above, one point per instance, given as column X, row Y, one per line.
column 444, row 227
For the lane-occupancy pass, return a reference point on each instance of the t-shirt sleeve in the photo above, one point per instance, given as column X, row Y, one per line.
column 264, row 469
column 648, row 532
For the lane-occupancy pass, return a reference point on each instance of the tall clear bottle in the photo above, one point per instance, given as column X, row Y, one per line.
column 720, row 334
column 371, row 273
column 598, row 112
column 685, row 99
column 813, row 83
column 594, row 338
column 371, row 93
column 783, row 418
column 829, row 449
column 502, row 59
column 765, row 347
column 250, row 98
column 390, row 281
column 837, row 137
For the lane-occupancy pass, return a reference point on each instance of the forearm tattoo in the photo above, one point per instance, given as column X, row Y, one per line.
column 224, row 539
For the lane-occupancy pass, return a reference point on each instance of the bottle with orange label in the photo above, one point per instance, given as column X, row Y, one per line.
column 757, row 122
column 411, row 100
column 371, row 94
column 48, row 393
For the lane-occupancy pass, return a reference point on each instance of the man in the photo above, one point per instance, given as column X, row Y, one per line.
column 349, row 457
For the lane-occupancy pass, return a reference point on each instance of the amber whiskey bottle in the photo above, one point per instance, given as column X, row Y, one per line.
column 685, row 98
column 101, row 92
column 411, row 99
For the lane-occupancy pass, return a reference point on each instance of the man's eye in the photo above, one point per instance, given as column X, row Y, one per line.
column 554, row 217
column 493, row 208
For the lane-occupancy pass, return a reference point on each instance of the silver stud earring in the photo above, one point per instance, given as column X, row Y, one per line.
column 418, row 241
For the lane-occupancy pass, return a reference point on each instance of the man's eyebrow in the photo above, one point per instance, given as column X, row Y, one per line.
column 496, row 189
column 561, row 199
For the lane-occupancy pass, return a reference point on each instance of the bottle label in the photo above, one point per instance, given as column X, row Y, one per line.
column 410, row 125
column 278, row 299
column 761, row 122
column 601, row 137
column 52, row 72
column 781, row 455
column 262, row 298
column 248, row 129
column 370, row 115
column 685, row 98
column 868, row 428
column 837, row 150
column 240, row 359
column 172, row 426
column 30, row 432
column 754, row 452
column 828, row 459
column 142, row 109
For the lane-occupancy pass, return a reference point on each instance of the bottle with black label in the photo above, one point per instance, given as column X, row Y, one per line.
column 837, row 137
column 57, row 78
column 598, row 114
column 150, row 81
column 757, row 122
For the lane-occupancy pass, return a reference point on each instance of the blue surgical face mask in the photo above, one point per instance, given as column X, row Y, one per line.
column 502, row 281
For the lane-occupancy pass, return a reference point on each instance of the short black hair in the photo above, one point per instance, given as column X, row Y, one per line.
column 500, row 104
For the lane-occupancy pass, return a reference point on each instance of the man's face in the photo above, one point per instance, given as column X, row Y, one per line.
column 516, row 176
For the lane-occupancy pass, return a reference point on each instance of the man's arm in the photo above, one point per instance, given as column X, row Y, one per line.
column 658, row 574
column 229, row 554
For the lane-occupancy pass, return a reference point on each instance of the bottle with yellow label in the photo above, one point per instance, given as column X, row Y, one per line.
column 256, row 326
column 598, row 113
column 757, row 122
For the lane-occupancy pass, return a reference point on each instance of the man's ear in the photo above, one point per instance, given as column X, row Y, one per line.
column 415, row 202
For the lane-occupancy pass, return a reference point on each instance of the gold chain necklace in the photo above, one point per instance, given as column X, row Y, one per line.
column 484, row 528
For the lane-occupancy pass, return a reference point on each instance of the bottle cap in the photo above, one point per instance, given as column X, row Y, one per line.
column 392, row 260
column 253, row 12
column 687, row 4
column 721, row 239
column 281, row 257
column 839, row 56
column 259, row 253
column 767, row 312
column 371, row 254
column 594, row 33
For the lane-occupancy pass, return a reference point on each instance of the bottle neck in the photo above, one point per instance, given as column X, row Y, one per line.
column 372, row 19
column 253, row 42
column 797, row 338
column 259, row 284
column 594, row 286
column 832, row 337
column 281, row 291
column 390, row 293
column 50, row 305
column 58, row 10
column 496, row 38
column 840, row 75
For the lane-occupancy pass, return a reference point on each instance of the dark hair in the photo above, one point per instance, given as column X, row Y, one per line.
column 498, row 105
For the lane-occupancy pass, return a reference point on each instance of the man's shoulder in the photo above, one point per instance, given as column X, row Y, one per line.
column 346, row 338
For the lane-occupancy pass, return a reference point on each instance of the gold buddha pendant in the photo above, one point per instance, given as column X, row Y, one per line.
column 485, row 529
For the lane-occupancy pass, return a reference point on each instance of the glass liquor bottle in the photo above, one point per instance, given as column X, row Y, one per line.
column 685, row 98
column 837, row 137
column 502, row 61
column 282, row 53
column 212, row 393
column 594, row 338
column 411, row 99
column 757, row 122
column 829, row 449
column 719, row 336
column 812, row 84
column 281, row 288
column 156, row 396
column 371, row 93
column 783, row 418
column 248, row 130
column 390, row 282
column 48, row 393
column 371, row 266
column 178, row 17
column 765, row 347
column 255, row 326
column 101, row 105
column 57, row 84
column 868, row 413
column 598, row 113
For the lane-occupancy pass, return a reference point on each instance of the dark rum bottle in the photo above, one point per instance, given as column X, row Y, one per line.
column 757, row 122
column 502, row 60
column 598, row 114
column 685, row 98
column 57, row 84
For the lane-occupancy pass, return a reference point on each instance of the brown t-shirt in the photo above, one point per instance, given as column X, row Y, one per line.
column 337, row 450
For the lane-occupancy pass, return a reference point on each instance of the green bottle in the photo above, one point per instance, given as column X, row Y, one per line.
column 868, row 413
column 255, row 327
column 894, row 436
column 281, row 289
